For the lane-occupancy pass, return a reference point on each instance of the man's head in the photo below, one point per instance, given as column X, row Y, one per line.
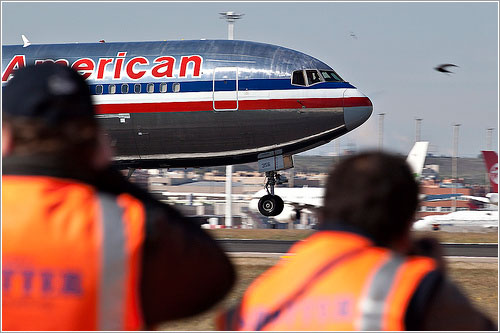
column 48, row 109
column 374, row 192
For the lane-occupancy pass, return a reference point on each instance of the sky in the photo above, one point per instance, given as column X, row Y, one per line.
column 391, row 58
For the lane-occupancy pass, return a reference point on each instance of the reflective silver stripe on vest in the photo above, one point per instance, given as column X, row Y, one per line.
column 372, row 304
column 111, row 293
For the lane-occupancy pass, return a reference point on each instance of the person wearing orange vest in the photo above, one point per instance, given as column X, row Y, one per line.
column 360, row 271
column 83, row 248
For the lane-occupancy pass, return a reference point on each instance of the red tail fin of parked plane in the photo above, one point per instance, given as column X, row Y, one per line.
column 491, row 161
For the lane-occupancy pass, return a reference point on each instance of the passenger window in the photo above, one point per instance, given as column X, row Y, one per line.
column 176, row 87
column 298, row 78
column 312, row 77
column 98, row 89
column 137, row 88
column 112, row 89
column 124, row 88
column 151, row 88
column 163, row 87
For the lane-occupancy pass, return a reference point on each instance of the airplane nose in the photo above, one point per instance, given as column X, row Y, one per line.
column 357, row 108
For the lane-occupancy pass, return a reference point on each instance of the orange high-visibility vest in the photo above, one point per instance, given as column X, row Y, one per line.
column 335, row 281
column 71, row 256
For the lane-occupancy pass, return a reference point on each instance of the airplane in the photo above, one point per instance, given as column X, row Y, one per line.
column 473, row 220
column 491, row 162
column 297, row 200
column 196, row 103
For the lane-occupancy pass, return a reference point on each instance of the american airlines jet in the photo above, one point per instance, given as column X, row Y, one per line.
column 197, row 103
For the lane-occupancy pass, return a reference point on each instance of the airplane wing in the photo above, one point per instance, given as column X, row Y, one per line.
column 194, row 196
column 303, row 204
column 492, row 199
column 480, row 199
column 304, row 197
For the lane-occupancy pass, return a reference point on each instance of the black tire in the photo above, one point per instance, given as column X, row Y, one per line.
column 270, row 205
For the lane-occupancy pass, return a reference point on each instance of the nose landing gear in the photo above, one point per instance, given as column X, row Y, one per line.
column 271, row 204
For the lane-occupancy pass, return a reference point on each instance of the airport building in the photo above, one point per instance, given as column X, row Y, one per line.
column 444, row 206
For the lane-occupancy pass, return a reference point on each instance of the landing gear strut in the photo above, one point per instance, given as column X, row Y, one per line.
column 271, row 204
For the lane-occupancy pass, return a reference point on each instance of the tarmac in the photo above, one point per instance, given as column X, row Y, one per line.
column 257, row 258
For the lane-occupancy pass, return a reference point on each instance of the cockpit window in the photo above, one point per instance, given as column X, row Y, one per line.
column 330, row 76
column 298, row 78
column 309, row 77
column 312, row 76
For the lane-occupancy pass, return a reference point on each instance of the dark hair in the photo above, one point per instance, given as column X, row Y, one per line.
column 75, row 139
column 374, row 192
column 48, row 110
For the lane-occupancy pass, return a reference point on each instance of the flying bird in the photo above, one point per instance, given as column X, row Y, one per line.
column 442, row 68
column 353, row 35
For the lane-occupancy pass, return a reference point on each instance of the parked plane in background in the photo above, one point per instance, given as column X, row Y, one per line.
column 311, row 198
column 491, row 163
column 473, row 220
column 200, row 103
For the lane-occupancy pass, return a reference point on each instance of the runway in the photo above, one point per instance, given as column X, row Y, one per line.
column 280, row 246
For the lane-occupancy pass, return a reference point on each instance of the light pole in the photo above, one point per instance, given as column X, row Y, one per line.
column 489, row 135
column 380, row 130
column 230, row 17
column 417, row 129
column 454, row 165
